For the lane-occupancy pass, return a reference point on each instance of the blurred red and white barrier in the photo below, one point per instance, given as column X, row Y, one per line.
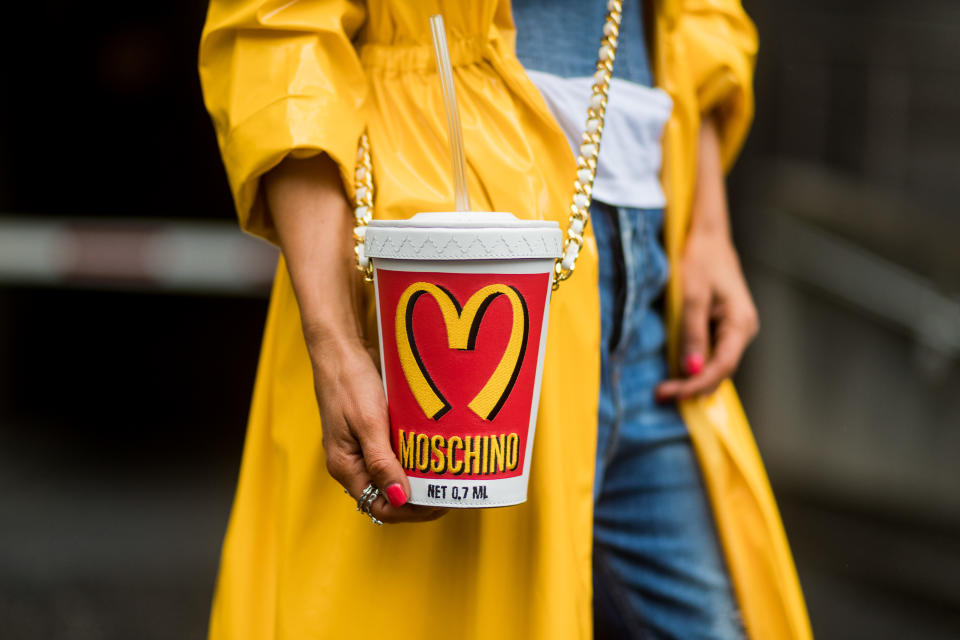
column 147, row 255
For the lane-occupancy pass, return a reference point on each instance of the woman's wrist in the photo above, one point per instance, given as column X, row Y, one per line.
column 709, row 231
column 331, row 339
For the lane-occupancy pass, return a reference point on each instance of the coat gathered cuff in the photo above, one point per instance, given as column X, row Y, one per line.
column 281, row 79
column 721, row 42
column 731, row 105
column 295, row 126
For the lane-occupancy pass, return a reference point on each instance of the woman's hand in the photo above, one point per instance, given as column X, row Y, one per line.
column 353, row 411
column 719, row 317
column 715, row 293
column 314, row 225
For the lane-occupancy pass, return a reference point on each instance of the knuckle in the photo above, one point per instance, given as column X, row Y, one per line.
column 750, row 321
column 694, row 296
column 696, row 336
column 335, row 471
column 382, row 514
column 711, row 388
column 726, row 364
column 370, row 419
column 336, row 466
column 711, row 377
column 380, row 465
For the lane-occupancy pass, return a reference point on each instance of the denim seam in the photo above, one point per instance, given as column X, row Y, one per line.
column 646, row 269
column 603, row 448
column 626, row 318
column 613, row 438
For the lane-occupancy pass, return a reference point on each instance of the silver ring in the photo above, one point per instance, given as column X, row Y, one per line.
column 365, row 507
column 370, row 489
column 366, row 500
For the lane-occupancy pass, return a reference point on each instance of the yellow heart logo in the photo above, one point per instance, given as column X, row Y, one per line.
column 463, row 325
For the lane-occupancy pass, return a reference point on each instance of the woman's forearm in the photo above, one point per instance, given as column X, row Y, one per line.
column 709, row 214
column 314, row 224
column 313, row 220
column 719, row 318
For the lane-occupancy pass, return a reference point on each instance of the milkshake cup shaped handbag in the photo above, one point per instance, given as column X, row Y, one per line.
column 462, row 305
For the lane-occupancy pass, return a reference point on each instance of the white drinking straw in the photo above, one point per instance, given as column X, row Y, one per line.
column 453, row 115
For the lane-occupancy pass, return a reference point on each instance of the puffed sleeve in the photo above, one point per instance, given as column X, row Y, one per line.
column 720, row 43
column 280, row 78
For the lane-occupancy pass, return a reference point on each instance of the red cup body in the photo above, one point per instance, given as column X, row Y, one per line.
column 462, row 351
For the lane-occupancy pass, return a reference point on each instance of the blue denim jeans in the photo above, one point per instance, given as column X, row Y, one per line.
column 562, row 37
column 658, row 570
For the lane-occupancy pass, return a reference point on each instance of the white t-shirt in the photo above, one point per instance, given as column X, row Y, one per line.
column 628, row 171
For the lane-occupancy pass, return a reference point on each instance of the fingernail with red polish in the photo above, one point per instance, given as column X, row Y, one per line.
column 693, row 363
column 396, row 495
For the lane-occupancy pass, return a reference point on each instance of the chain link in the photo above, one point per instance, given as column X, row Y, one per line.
column 363, row 205
column 586, row 162
column 590, row 146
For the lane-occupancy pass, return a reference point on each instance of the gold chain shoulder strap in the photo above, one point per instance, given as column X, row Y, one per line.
column 363, row 205
column 586, row 162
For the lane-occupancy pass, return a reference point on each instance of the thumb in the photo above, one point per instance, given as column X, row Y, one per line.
column 383, row 466
column 696, row 331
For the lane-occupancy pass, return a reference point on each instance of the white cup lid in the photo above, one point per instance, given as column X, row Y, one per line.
column 463, row 235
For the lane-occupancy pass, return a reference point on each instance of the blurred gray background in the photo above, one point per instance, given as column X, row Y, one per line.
column 847, row 220
column 131, row 309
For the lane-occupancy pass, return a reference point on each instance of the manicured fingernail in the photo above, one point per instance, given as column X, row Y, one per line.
column 693, row 363
column 396, row 495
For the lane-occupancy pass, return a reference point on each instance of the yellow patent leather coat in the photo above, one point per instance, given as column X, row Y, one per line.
column 302, row 77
